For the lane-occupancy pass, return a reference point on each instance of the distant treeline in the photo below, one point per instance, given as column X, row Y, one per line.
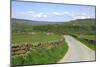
column 66, row 29
column 81, row 26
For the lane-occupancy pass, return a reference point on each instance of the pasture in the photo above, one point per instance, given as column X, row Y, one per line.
column 45, row 44
column 29, row 37
column 50, row 48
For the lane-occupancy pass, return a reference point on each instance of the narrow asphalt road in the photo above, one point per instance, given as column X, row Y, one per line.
column 77, row 51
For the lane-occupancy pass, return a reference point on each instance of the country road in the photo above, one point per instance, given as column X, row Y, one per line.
column 77, row 51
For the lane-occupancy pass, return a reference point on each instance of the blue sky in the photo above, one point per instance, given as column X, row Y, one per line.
column 51, row 12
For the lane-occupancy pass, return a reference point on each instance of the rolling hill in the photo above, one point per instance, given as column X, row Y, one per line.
column 82, row 22
column 73, row 26
column 20, row 24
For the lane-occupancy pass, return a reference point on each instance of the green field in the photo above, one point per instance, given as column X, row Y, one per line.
column 37, row 55
column 34, row 43
column 32, row 37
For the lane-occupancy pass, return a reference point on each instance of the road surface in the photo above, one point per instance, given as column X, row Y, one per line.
column 77, row 51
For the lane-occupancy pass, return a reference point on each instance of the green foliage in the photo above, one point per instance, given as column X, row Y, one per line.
column 80, row 26
column 89, row 44
column 37, row 55
column 32, row 37
column 88, row 40
column 42, row 56
column 86, row 26
column 84, row 30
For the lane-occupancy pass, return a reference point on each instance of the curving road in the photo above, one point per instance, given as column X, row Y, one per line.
column 77, row 51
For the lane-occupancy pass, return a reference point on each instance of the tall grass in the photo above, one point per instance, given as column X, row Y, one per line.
column 41, row 56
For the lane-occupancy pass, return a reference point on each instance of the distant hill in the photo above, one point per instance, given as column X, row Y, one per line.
column 85, row 22
column 75, row 26
column 18, row 24
column 82, row 26
column 82, row 22
column 79, row 26
column 30, row 22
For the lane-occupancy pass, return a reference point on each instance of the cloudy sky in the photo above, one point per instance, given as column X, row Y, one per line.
column 51, row 12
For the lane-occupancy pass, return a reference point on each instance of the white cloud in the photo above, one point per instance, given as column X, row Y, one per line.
column 55, row 13
column 66, row 12
column 39, row 15
column 60, row 13
column 45, row 16
column 81, row 17
column 30, row 12
column 78, row 15
column 34, row 14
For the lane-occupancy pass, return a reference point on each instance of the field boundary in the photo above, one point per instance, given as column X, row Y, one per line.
column 24, row 49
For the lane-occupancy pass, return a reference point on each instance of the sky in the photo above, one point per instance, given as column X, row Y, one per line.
column 51, row 12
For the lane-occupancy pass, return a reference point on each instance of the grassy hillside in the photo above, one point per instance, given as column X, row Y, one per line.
column 26, row 25
column 32, row 37
column 81, row 26
column 37, row 48
column 41, row 56
column 50, row 46
column 83, row 22
column 82, row 29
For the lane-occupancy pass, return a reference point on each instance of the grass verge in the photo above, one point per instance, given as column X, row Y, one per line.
column 88, row 40
column 42, row 56
column 90, row 45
